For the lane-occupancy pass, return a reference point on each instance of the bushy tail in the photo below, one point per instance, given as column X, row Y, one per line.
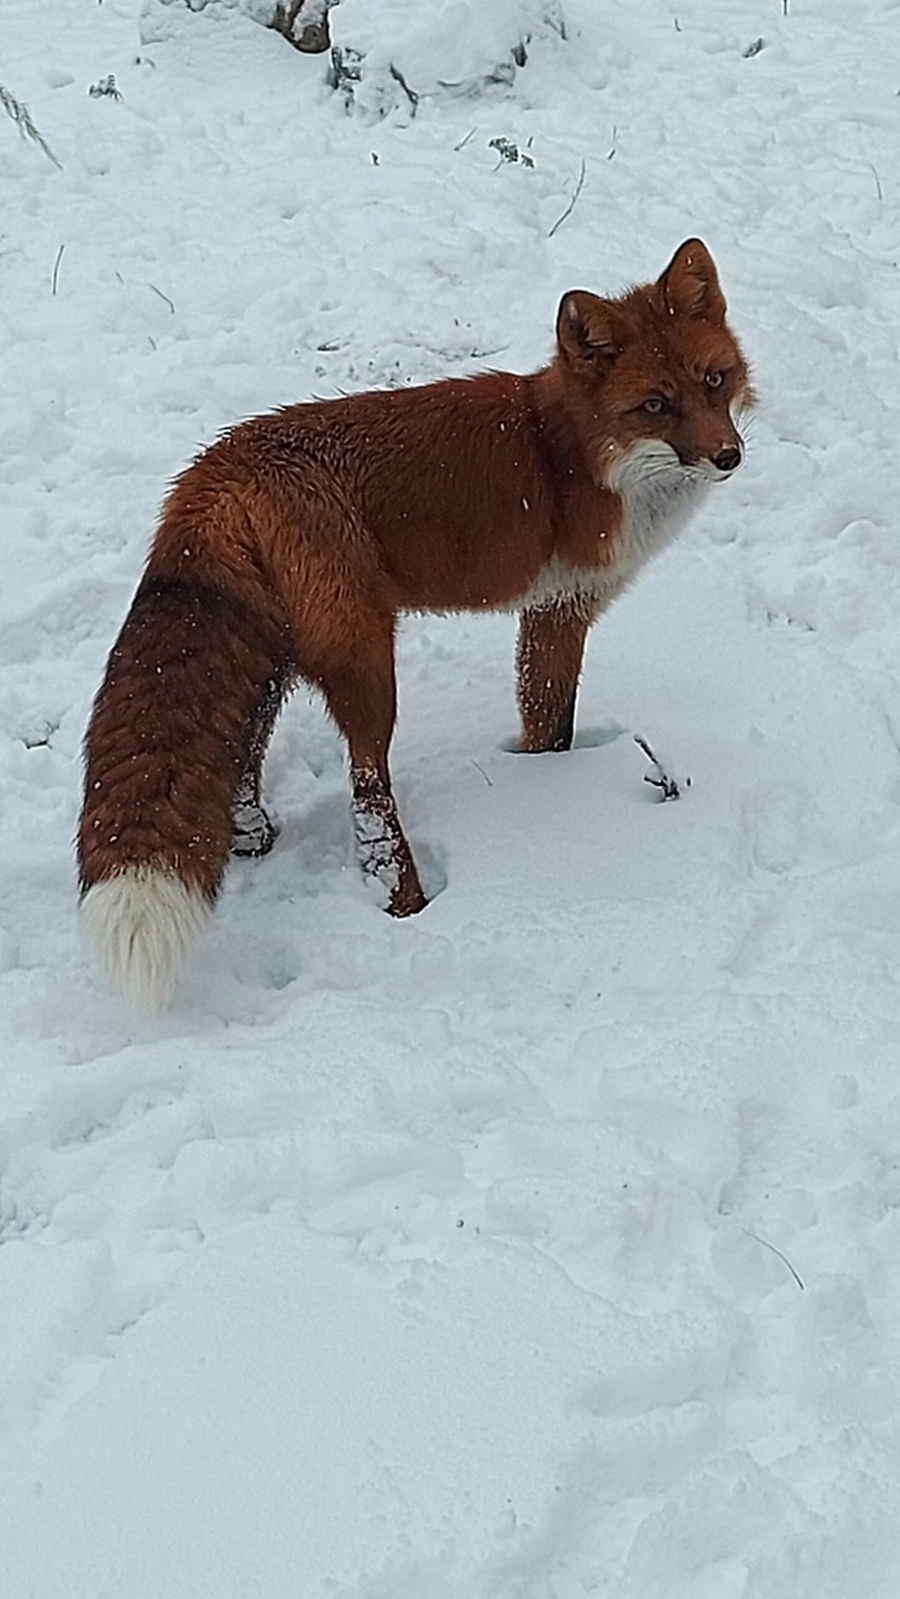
column 168, row 741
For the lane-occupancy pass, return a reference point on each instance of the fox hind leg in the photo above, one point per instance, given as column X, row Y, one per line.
column 254, row 831
column 362, row 700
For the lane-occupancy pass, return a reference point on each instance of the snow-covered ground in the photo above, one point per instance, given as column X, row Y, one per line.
column 547, row 1245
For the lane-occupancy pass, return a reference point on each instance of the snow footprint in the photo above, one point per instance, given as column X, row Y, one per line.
column 773, row 818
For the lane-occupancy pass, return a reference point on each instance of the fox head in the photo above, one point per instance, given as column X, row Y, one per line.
column 655, row 380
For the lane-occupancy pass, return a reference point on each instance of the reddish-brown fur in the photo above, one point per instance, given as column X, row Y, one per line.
column 289, row 548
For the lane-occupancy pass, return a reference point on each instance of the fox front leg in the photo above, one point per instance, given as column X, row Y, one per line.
column 549, row 654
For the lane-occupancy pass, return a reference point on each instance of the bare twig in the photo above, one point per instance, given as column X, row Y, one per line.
column 106, row 87
column 663, row 780
column 411, row 94
column 507, row 151
column 783, row 1258
column 21, row 116
column 54, row 280
column 463, row 142
column 162, row 296
column 878, row 189
column 571, row 205
column 488, row 780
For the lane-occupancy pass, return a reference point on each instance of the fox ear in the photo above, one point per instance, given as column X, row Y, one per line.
column 584, row 329
column 690, row 284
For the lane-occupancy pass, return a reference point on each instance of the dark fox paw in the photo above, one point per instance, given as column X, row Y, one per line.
column 254, row 831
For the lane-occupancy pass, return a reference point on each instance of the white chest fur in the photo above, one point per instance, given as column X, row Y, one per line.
column 658, row 499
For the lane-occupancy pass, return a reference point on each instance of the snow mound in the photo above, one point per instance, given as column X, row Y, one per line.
column 161, row 20
column 407, row 50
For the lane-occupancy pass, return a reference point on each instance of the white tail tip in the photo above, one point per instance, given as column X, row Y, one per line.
column 142, row 922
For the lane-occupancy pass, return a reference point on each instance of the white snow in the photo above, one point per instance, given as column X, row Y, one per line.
column 461, row 1258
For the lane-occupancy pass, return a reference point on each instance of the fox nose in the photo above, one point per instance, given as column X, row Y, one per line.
column 727, row 460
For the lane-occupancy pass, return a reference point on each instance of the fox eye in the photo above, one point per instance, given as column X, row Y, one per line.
column 655, row 405
column 714, row 380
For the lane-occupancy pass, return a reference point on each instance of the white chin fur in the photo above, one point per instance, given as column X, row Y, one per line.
column 141, row 923
column 639, row 463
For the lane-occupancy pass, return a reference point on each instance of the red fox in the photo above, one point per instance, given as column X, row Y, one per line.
column 288, row 549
